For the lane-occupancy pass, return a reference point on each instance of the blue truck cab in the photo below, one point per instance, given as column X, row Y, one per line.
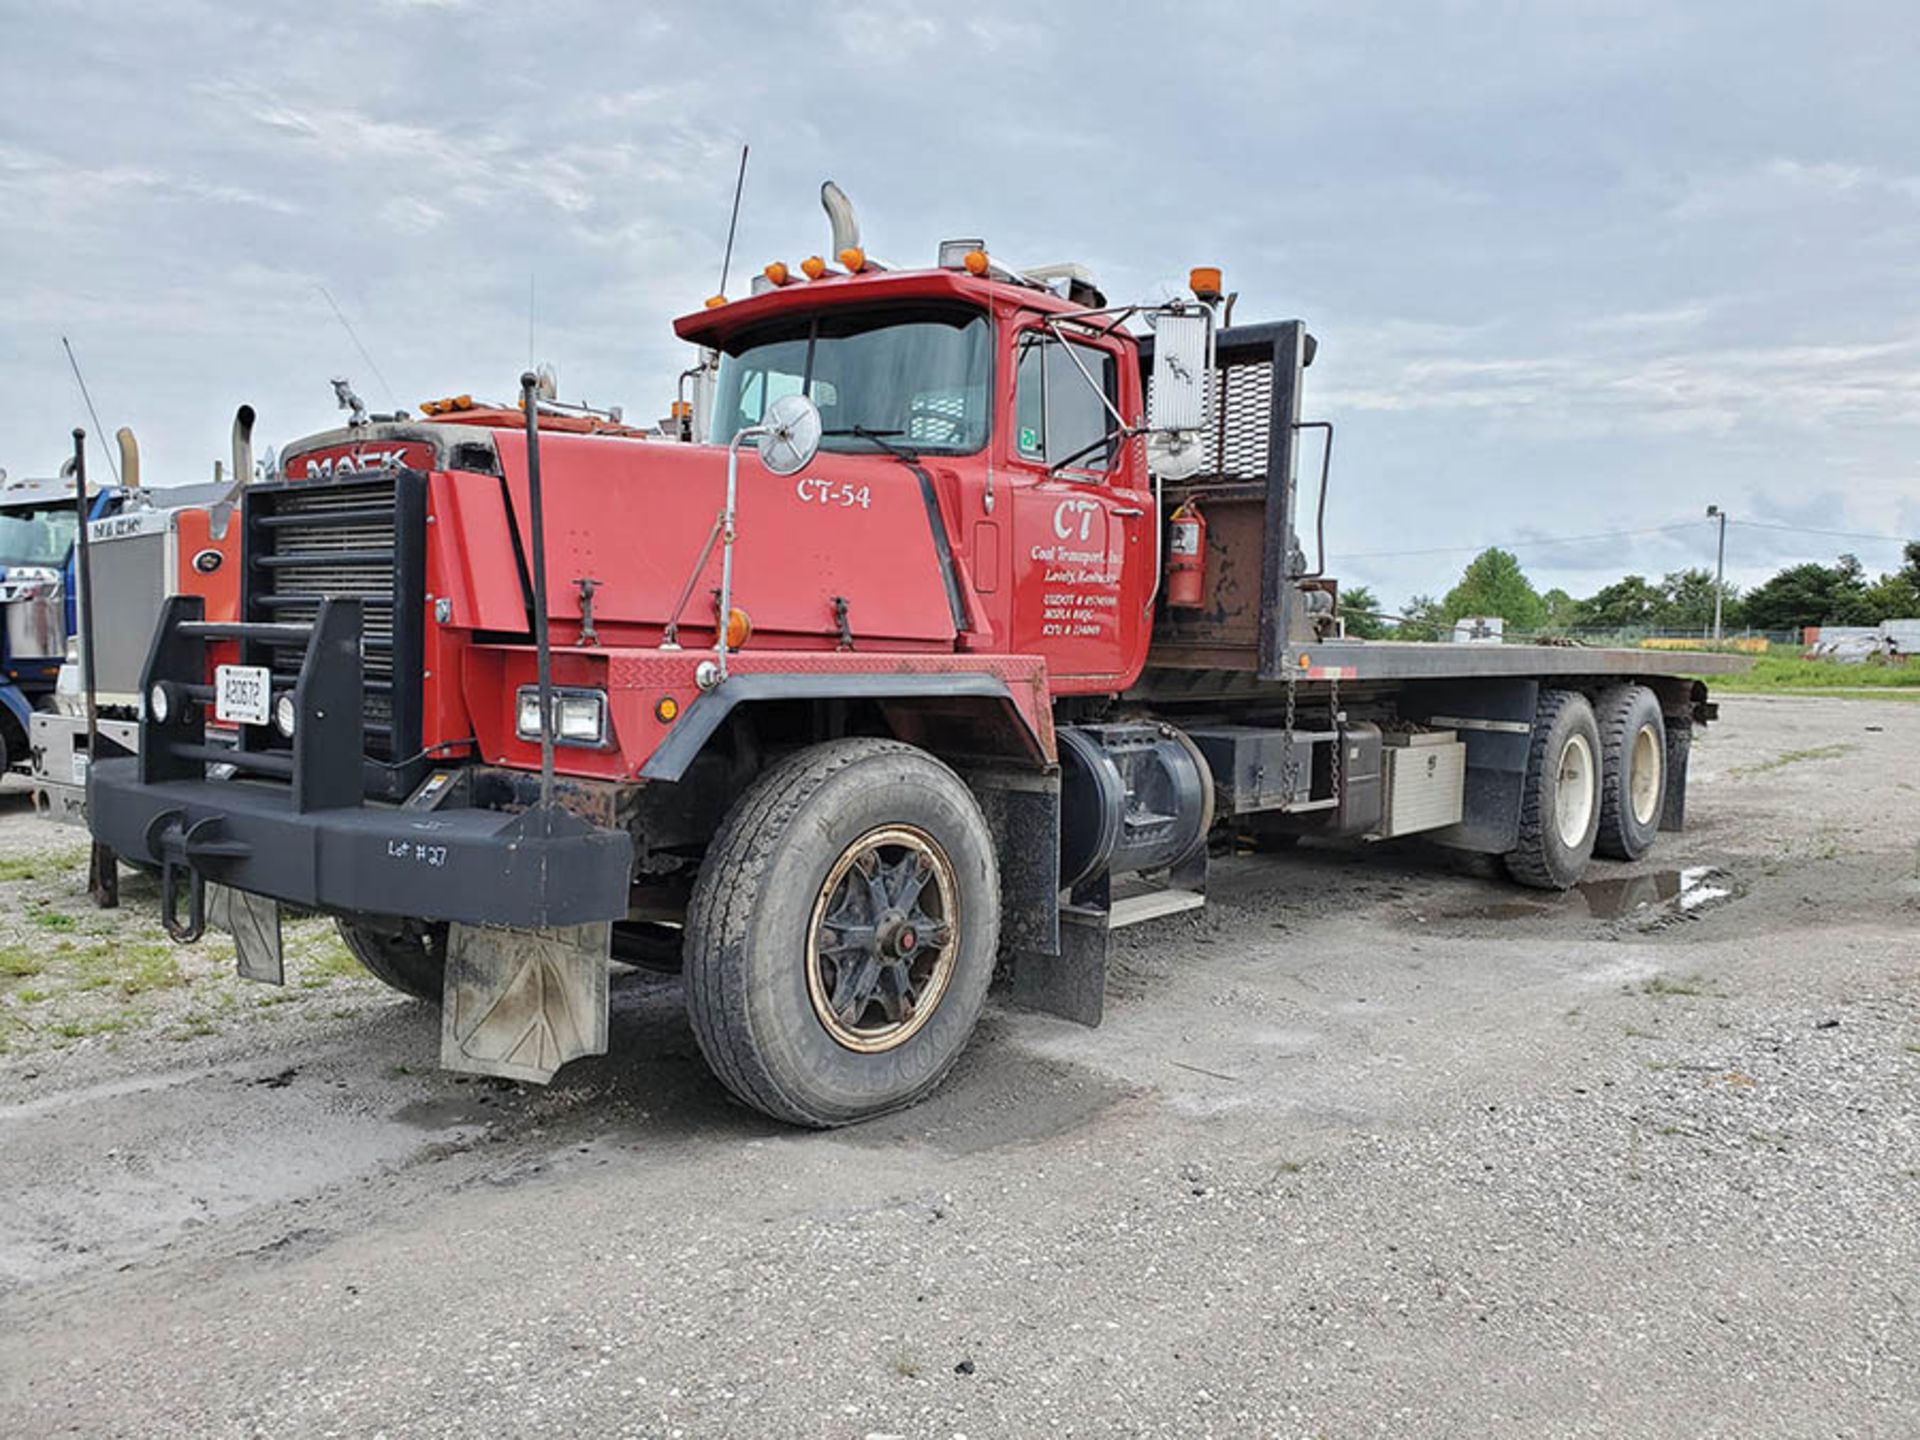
column 38, row 608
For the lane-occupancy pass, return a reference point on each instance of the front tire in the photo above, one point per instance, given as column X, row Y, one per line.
column 408, row 955
column 1560, row 798
column 842, row 933
column 1633, row 771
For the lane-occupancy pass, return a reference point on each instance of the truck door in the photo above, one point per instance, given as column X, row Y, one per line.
column 1083, row 543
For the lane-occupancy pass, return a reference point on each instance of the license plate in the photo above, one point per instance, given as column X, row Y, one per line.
column 241, row 694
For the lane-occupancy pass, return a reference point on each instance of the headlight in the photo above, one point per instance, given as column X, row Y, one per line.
column 579, row 716
column 582, row 717
column 159, row 704
column 284, row 713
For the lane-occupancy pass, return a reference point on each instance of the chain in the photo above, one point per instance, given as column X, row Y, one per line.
column 1290, row 770
column 1339, row 736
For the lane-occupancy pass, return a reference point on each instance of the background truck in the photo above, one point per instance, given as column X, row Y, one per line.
column 38, row 521
column 146, row 545
column 1006, row 622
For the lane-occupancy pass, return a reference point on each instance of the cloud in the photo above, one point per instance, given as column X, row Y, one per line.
column 1574, row 271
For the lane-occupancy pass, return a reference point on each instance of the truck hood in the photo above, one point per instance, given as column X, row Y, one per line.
column 859, row 536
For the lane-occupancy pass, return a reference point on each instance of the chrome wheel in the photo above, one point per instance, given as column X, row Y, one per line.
column 882, row 941
column 1575, row 791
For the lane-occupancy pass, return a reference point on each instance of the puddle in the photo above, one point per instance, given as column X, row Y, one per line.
column 1680, row 891
column 1669, row 892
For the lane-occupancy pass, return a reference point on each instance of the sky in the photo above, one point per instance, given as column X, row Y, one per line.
column 1575, row 269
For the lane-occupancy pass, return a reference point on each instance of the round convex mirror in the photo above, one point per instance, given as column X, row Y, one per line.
column 790, row 435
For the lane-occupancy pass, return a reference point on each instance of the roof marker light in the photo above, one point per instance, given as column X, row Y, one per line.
column 714, row 302
column 777, row 272
column 813, row 267
column 976, row 262
column 854, row 258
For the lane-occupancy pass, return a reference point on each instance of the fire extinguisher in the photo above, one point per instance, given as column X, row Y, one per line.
column 1187, row 557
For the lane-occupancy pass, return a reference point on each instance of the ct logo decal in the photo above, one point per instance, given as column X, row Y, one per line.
column 1064, row 514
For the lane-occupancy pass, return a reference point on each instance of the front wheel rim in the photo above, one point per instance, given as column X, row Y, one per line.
column 1644, row 775
column 1573, row 792
column 883, row 938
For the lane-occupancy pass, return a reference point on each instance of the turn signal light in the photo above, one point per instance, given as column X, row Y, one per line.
column 854, row 258
column 813, row 267
column 739, row 628
column 714, row 302
column 976, row 262
column 777, row 272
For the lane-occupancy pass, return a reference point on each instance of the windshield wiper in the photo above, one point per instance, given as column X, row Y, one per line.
column 880, row 438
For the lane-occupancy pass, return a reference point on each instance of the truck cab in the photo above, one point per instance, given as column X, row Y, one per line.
column 38, row 522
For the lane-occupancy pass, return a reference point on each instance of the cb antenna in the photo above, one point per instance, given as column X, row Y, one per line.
column 347, row 326
column 94, row 414
column 733, row 221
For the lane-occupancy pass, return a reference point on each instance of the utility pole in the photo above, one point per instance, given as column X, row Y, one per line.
column 1714, row 512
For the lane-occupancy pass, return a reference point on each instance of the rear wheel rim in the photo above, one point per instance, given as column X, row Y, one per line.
column 884, row 934
column 1643, row 777
column 1573, row 792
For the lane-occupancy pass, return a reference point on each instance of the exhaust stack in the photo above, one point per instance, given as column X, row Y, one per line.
column 129, row 458
column 846, row 225
column 243, row 445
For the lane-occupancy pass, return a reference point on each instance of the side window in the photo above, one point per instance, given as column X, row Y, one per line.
column 1058, row 417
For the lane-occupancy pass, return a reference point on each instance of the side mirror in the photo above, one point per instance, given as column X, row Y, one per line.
column 1177, row 402
column 789, row 435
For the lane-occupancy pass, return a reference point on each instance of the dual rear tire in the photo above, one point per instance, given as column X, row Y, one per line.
column 1595, row 782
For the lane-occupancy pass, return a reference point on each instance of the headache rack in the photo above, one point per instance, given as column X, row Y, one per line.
column 1257, row 575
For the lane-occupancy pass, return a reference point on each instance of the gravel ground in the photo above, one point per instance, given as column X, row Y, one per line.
column 1376, row 1145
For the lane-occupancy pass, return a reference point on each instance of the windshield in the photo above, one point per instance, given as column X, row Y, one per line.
column 37, row 535
column 917, row 376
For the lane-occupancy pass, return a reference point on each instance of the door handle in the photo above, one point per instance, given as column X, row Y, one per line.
column 1129, row 511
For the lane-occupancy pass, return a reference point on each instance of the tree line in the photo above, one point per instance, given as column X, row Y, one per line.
column 1682, row 600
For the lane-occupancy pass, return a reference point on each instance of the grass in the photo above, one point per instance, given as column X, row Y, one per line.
column 1665, row 987
column 98, row 1025
column 18, row 963
column 40, row 867
column 1789, row 674
column 1793, row 757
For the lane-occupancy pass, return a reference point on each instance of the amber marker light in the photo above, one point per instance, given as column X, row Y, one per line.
column 813, row 267
column 976, row 262
column 666, row 710
column 739, row 628
column 854, row 258
column 777, row 272
column 1206, row 283
column 714, row 302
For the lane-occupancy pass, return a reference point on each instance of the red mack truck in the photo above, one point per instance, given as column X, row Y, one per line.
column 1006, row 618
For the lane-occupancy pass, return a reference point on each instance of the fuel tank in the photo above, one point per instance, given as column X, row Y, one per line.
column 1133, row 796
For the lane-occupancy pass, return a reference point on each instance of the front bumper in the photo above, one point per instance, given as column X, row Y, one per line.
column 297, row 827
column 536, row 869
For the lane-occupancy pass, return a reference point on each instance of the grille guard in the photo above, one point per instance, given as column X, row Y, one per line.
column 315, row 841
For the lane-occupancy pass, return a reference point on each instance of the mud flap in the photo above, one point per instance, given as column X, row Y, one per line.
column 254, row 923
column 521, row 1003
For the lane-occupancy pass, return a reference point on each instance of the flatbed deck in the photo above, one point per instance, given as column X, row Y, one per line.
column 1400, row 660
column 1179, row 668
